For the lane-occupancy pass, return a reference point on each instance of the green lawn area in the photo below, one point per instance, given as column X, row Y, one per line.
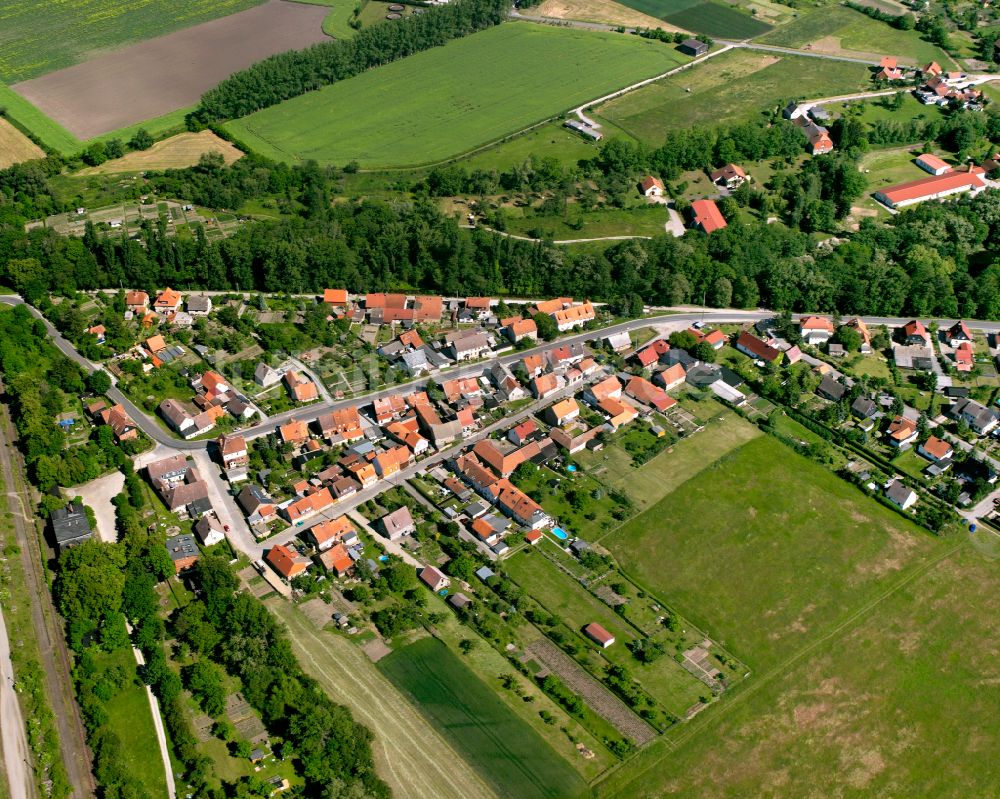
column 840, row 30
column 912, row 108
column 866, row 711
column 548, row 141
column 645, row 220
column 909, row 462
column 733, row 87
column 40, row 37
column 576, row 607
column 660, row 475
column 442, row 102
column 130, row 717
column 557, row 500
column 798, row 546
column 502, row 747
column 335, row 24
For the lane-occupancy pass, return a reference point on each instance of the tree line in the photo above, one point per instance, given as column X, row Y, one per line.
column 286, row 75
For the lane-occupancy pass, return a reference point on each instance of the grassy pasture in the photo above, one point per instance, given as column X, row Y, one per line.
column 15, row 147
column 901, row 702
column 548, row 141
column 48, row 131
column 800, row 547
column 340, row 13
column 840, row 30
column 40, row 36
column 733, row 87
column 502, row 747
column 446, row 101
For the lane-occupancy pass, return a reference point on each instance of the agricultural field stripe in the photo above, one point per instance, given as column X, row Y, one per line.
column 26, row 116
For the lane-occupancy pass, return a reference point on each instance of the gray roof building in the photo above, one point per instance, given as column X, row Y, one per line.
column 70, row 526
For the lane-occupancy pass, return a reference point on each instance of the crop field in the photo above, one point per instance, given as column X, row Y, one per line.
column 410, row 753
column 607, row 11
column 40, row 36
column 718, row 19
column 446, row 101
column 840, row 30
column 15, row 147
column 880, row 708
column 505, row 750
column 177, row 152
column 767, row 550
column 147, row 80
column 736, row 86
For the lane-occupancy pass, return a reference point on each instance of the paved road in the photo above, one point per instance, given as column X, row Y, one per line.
column 15, row 742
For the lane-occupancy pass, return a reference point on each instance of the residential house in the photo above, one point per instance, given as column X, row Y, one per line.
column 210, row 530
column 618, row 413
column 405, row 433
column 864, row 407
column 980, row 419
column 574, row 316
column 183, row 551
column 303, row 507
column 706, row 216
column 565, row 355
column 295, row 432
column 750, row 345
column 259, row 508
column 900, row 495
column 521, row 329
column 70, row 526
column 390, row 461
column 388, row 408
column 596, row 633
column 545, row 385
column 519, row 506
column 902, row 432
column 120, row 423
column 729, row 177
column 533, row 365
column 609, row 387
column 468, row 345
column 167, row 301
column 914, row 332
column 489, row 528
column 913, row 356
column 670, row 377
column 651, row 187
column 619, row 342
column 155, row 344
column 176, row 416
column 964, row 357
column 286, row 562
column 199, row 305
column 936, row 449
column 327, row 533
column 478, row 306
column 857, row 324
column 958, row 333
column 831, row 388
column 652, row 352
column 265, row 376
column 337, row 559
column 99, row 332
column 136, row 302
column 562, row 412
column 462, row 388
column 815, row 329
column 300, row 387
column 503, row 461
column 641, row 390
column 818, row 136
column 336, row 298
column 340, row 425
column 427, row 308
column 520, row 434
column 434, row 579
column 234, row 454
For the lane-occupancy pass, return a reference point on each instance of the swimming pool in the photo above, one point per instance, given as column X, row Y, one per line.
column 571, row 468
column 559, row 533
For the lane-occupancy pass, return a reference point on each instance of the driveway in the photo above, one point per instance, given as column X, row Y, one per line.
column 98, row 494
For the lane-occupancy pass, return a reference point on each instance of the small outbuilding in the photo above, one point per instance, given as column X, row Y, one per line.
column 596, row 633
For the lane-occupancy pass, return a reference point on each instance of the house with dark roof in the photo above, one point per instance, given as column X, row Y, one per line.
column 980, row 419
column 831, row 388
column 183, row 551
column 900, row 495
column 749, row 344
column 434, row 579
column 70, row 526
column 693, row 47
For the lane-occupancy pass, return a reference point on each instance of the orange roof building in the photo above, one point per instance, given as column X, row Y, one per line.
column 285, row 562
column 295, row 432
column 706, row 216
column 335, row 297
column 933, row 188
column 168, row 300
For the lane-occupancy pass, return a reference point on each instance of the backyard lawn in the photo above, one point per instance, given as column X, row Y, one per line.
column 767, row 550
column 448, row 100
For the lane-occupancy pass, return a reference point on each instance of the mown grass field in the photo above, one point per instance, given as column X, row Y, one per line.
column 410, row 753
column 51, row 133
column 548, row 141
column 43, row 35
column 842, row 31
column 15, row 147
column 733, row 87
column 446, row 101
column 505, row 750
column 767, row 550
column 335, row 24
column 639, row 220
column 130, row 718
column 900, row 702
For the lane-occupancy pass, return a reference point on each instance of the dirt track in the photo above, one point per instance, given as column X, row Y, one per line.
column 158, row 76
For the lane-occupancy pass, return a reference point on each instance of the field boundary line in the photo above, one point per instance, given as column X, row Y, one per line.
column 767, row 677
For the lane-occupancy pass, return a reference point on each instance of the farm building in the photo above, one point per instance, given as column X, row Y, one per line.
column 693, row 47
column 931, row 163
column 596, row 633
column 583, row 129
column 934, row 188
column 651, row 187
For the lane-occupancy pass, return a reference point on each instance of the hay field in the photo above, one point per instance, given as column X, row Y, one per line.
column 15, row 147
column 177, row 152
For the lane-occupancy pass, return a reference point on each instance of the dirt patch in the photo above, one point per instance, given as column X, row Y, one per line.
column 15, row 147
column 317, row 611
column 177, row 152
column 832, row 46
column 161, row 75
column 605, row 11
column 375, row 649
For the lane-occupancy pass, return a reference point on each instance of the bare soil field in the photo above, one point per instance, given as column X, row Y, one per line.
column 15, row 147
column 177, row 152
column 155, row 77
column 606, row 11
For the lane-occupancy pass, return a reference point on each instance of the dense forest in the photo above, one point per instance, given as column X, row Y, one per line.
column 290, row 74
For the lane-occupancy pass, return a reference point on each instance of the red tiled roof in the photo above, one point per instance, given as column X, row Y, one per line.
column 707, row 215
column 928, row 187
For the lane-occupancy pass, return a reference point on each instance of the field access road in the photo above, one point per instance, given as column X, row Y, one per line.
column 15, row 742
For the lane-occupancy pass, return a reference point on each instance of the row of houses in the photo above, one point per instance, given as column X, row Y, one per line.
column 214, row 396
